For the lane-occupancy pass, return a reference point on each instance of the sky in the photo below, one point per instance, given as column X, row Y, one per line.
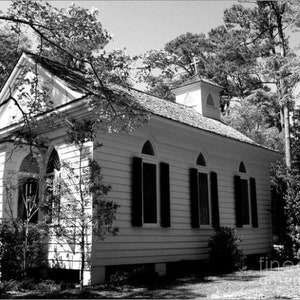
column 142, row 25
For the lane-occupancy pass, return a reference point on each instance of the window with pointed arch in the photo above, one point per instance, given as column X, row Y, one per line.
column 204, row 205
column 52, row 181
column 150, row 189
column 245, row 198
column 204, row 195
column 28, row 184
column 210, row 100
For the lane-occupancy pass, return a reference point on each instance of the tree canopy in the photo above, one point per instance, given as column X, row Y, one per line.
column 75, row 38
column 11, row 47
column 249, row 56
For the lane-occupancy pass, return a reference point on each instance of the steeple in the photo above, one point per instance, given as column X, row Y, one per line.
column 202, row 95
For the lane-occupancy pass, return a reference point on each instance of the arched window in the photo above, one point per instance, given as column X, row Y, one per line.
column 203, row 191
column 148, row 149
column 53, row 162
column 150, row 189
column 188, row 100
column 210, row 100
column 149, row 178
column 28, row 183
column 204, row 195
column 52, row 182
column 245, row 198
column 30, row 165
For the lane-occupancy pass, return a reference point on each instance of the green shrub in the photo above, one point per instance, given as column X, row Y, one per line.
column 28, row 285
column 19, row 254
column 285, row 210
column 48, row 285
column 224, row 253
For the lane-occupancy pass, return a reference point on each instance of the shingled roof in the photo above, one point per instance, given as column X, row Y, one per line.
column 156, row 106
column 185, row 115
column 74, row 79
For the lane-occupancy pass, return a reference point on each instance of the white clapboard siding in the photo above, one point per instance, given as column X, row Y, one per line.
column 179, row 146
column 60, row 252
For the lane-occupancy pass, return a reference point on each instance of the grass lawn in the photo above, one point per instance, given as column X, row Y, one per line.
column 279, row 283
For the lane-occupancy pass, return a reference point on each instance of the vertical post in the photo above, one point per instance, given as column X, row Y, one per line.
column 287, row 140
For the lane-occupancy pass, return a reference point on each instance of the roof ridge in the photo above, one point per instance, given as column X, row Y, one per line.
column 172, row 103
column 155, row 105
column 34, row 55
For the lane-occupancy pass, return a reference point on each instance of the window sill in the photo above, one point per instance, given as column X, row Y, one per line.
column 150, row 225
column 248, row 227
column 205, row 227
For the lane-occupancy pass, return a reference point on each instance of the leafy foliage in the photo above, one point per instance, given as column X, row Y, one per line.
column 83, row 210
column 11, row 46
column 70, row 41
column 15, row 242
column 73, row 36
column 214, row 57
column 224, row 253
column 257, row 116
column 286, row 202
column 249, row 56
column 74, row 29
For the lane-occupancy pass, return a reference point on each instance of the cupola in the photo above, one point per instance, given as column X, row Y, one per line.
column 202, row 95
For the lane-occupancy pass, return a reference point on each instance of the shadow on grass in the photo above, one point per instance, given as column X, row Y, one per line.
column 179, row 293
column 157, row 288
column 233, row 277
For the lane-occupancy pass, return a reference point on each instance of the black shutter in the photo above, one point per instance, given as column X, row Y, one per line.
column 238, row 201
column 253, row 200
column 214, row 199
column 165, row 214
column 194, row 193
column 137, row 198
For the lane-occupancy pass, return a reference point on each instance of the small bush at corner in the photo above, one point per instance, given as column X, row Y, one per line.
column 224, row 253
column 21, row 247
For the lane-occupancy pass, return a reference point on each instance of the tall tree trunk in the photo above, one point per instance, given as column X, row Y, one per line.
column 279, row 11
column 82, row 216
column 25, row 249
column 281, row 118
column 287, row 140
column 82, row 257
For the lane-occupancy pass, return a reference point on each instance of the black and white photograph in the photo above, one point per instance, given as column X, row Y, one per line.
column 150, row 149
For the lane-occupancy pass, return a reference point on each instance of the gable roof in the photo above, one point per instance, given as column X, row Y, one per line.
column 76, row 81
column 198, row 79
column 185, row 115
